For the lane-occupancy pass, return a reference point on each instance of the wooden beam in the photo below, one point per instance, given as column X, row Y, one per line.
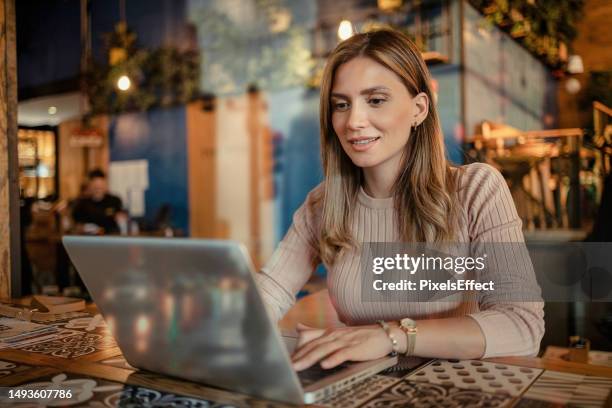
column 601, row 107
column 10, row 255
column 254, row 130
column 202, row 170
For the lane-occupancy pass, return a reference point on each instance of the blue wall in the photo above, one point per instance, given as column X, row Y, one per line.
column 294, row 114
column 159, row 136
column 449, row 104
column 503, row 81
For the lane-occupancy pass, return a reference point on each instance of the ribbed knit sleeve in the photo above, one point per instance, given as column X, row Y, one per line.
column 488, row 217
column 293, row 261
column 511, row 317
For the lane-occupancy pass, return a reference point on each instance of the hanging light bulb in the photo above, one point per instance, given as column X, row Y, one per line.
column 572, row 86
column 124, row 83
column 345, row 30
column 575, row 65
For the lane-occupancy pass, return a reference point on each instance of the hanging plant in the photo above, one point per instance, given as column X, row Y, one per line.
column 543, row 27
column 269, row 50
column 136, row 79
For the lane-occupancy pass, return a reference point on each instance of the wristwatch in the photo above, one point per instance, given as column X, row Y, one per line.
column 410, row 328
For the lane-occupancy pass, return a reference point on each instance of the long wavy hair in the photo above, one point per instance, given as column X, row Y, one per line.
column 426, row 210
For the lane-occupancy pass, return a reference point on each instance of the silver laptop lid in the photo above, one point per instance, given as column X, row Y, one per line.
column 187, row 308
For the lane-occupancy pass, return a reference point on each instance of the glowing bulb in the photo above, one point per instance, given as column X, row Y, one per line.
column 345, row 30
column 52, row 110
column 124, row 83
column 575, row 65
column 572, row 86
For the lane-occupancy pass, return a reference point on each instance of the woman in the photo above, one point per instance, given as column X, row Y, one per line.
column 387, row 180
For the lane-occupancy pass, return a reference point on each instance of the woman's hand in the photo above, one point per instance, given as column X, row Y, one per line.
column 334, row 346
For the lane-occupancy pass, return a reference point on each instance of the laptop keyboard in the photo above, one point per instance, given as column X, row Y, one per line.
column 316, row 373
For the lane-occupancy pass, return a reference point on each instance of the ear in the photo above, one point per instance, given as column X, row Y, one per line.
column 421, row 108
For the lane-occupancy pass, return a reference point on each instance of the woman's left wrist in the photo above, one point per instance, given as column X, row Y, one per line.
column 398, row 333
column 392, row 336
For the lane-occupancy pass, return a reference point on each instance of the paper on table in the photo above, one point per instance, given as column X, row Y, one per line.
column 129, row 179
column 11, row 328
column 136, row 203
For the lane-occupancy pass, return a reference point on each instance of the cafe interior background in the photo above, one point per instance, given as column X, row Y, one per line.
column 204, row 115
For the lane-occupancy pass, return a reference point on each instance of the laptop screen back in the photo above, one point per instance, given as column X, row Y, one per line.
column 186, row 308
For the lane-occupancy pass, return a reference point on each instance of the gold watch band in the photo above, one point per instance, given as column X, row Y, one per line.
column 409, row 328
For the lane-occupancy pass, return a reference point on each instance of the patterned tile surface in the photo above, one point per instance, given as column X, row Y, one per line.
column 409, row 385
column 97, row 393
column 478, row 375
column 83, row 322
column 73, row 344
column 418, row 394
column 10, row 368
column 360, row 393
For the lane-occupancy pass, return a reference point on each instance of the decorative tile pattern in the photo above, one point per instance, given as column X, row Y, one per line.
column 478, row 375
column 426, row 395
column 86, row 323
column 94, row 392
column 9, row 368
column 73, row 344
column 146, row 397
column 360, row 393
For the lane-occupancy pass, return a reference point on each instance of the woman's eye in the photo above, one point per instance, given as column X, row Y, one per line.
column 376, row 101
column 340, row 106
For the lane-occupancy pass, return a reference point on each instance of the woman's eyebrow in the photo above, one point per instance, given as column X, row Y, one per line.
column 366, row 91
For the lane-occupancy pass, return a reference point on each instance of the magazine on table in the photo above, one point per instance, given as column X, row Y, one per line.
column 15, row 332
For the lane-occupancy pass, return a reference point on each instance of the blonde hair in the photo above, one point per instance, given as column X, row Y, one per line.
column 424, row 188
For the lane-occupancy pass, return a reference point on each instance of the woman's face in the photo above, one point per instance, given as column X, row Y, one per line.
column 372, row 113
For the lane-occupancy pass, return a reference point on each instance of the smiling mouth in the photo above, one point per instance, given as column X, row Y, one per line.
column 364, row 141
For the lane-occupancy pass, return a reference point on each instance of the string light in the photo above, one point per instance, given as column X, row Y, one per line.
column 345, row 30
column 124, row 83
column 572, row 86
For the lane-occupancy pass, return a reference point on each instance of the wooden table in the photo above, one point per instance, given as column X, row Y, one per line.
column 93, row 361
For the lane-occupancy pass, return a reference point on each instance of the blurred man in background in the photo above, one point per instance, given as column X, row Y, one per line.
column 98, row 211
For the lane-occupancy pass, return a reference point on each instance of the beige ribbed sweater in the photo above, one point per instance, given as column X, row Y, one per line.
column 488, row 215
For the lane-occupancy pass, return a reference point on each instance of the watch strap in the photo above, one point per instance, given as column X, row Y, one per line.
column 410, row 329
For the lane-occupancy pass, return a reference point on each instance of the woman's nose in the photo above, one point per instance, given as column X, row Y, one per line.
column 358, row 118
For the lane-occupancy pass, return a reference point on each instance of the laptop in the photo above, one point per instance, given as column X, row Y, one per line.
column 190, row 308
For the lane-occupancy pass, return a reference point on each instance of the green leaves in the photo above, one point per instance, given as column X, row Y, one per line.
column 160, row 77
column 543, row 26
